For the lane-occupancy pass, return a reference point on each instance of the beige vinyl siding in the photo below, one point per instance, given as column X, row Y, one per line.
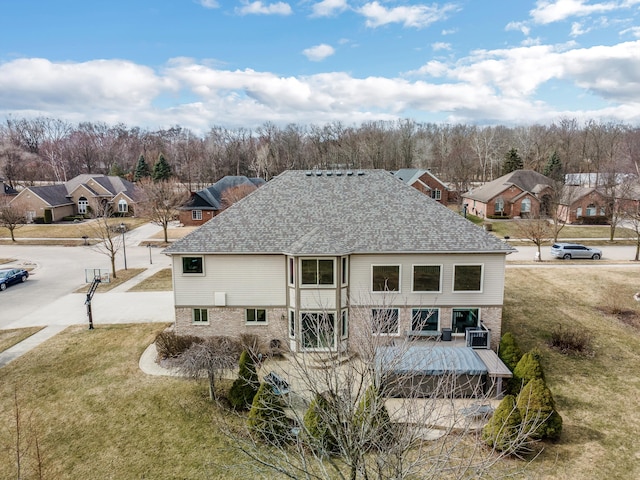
column 318, row 298
column 247, row 280
column 492, row 283
column 292, row 297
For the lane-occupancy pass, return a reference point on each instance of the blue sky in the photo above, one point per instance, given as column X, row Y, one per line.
column 204, row 63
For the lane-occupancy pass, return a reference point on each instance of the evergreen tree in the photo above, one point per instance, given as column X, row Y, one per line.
column 142, row 169
column 161, row 169
column 527, row 369
column 553, row 169
column 319, row 428
column 267, row 419
column 116, row 170
column 538, row 411
column 512, row 162
column 503, row 429
column 372, row 417
column 509, row 351
column 244, row 387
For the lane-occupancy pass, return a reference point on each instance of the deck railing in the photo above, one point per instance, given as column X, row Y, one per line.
column 478, row 337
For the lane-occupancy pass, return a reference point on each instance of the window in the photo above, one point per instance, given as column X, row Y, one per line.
column 344, row 327
column 292, row 270
column 436, row 194
column 123, row 206
column 385, row 321
column 256, row 315
column 499, row 205
column 318, row 330
column 579, row 212
column 196, row 214
column 525, row 206
column 292, row 324
column 467, row 278
column 83, row 203
column 591, row 210
column 192, row 265
column 426, row 278
column 200, row 315
column 345, row 272
column 463, row 318
column 425, row 320
column 386, row 278
column 317, row 272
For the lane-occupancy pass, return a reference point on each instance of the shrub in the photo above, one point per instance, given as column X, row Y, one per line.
column 502, row 432
column 509, row 351
column 267, row 419
column 527, row 369
column 571, row 341
column 318, row 423
column 171, row 345
column 253, row 345
column 244, row 387
column 538, row 411
column 372, row 418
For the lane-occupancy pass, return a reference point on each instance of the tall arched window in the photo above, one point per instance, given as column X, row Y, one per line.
column 83, row 203
column 123, row 206
column 499, row 207
column 591, row 210
column 525, row 206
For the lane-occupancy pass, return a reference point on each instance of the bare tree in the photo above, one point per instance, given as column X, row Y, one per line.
column 233, row 194
column 209, row 358
column 159, row 201
column 12, row 215
column 537, row 230
column 107, row 231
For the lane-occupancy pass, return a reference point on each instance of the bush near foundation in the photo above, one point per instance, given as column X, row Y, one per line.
column 509, row 351
column 246, row 386
column 538, row 410
column 171, row 345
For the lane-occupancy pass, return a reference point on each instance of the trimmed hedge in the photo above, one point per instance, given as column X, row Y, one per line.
column 171, row 345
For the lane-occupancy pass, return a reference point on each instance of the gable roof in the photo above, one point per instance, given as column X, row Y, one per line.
column 54, row 195
column 526, row 180
column 111, row 184
column 332, row 213
column 210, row 198
column 412, row 175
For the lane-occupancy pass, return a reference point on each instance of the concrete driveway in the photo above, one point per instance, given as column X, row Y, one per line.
column 47, row 298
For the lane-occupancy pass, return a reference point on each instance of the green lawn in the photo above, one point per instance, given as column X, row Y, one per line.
column 96, row 415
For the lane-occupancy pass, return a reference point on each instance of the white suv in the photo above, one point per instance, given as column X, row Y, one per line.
column 567, row 251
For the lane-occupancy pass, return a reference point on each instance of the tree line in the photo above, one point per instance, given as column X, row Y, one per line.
column 54, row 150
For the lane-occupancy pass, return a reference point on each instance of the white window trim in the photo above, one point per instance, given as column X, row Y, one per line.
column 336, row 334
column 122, row 203
column 292, row 316
column 437, row 309
column 464, row 308
column 426, row 265
column 525, row 201
column 378, row 292
column 255, row 322
column 344, row 318
column 344, row 272
column 453, row 278
column 196, row 214
column 316, row 285
column 437, row 194
column 397, row 334
column 187, row 274
column 193, row 316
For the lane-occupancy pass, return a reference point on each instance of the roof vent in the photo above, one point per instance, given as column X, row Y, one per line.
column 318, row 173
column 329, row 173
column 360, row 173
column 307, row 173
column 338, row 173
column 349, row 172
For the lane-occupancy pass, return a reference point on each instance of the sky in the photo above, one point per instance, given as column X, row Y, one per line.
column 204, row 63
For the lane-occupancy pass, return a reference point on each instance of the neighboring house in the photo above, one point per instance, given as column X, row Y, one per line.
column 207, row 203
column 595, row 179
column 77, row 196
column 311, row 260
column 521, row 193
column 579, row 203
column 426, row 182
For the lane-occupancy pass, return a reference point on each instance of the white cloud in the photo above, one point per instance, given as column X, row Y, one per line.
column 209, row 3
column 259, row 8
column 518, row 26
column 418, row 16
column 577, row 29
column 437, row 46
column 549, row 11
column 318, row 52
column 328, row 8
column 634, row 31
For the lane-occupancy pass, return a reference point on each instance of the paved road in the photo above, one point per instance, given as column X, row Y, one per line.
column 609, row 254
column 47, row 298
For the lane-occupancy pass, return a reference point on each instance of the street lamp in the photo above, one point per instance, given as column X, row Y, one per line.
column 123, row 227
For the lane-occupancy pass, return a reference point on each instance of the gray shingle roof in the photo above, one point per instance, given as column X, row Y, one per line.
column 54, row 195
column 527, row 180
column 210, row 198
column 308, row 214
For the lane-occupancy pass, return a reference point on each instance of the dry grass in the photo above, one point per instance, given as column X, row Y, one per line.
column 122, row 276
column 61, row 230
column 596, row 395
column 159, row 282
column 6, row 260
column 8, row 338
column 503, row 228
column 174, row 233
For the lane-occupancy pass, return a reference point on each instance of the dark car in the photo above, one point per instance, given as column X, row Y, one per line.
column 9, row 276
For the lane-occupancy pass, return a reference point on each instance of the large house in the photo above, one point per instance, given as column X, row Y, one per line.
column 312, row 257
column 208, row 202
column 520, row 193
column 77, row 197
column 426, row 182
